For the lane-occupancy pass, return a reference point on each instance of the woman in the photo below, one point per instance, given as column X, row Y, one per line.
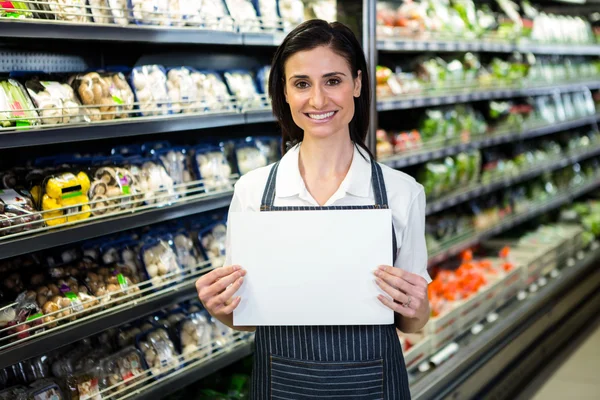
column 319, row 86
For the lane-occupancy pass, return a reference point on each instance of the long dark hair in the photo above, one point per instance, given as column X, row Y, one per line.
column 341, row 40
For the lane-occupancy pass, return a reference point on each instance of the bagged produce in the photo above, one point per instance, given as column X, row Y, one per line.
column 212, row 168
column 160, row 261
column 183, row 92
column 158, row 351
column 149, row 83
column 194, row 335
column 222, row 335
column 155, row 183
column 187, row 254
column 15, row 9
column 68, row 10
column 243, row 88
column 17, row 212
column 175, row 161
column 101, row 12
column 292, row 13
column 244, row 14
column 270, row 147
column 211, row 90
column 268, row 14
column 263, row 79
column 151, row 12
column 248, row 157
column 123, row 368
column 213, row 240
column 56, row 102
column 16, row 109
column 215, row 15
column 94, row 90
column 112, row 189
column 120, row 92
column 64, row 197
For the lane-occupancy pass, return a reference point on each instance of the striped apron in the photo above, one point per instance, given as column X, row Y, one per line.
column 333, row 362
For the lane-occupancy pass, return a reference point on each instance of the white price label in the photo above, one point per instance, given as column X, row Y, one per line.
column 554, row 273
column 492, row 317
column 542, row 281
column 522, row 295
column 533, row 288
column 476, row 329
column 571, row 262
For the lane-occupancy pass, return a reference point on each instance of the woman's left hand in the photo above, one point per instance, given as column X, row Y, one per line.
column 408, row 291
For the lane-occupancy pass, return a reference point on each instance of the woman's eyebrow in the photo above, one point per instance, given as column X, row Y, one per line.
column 327, row 75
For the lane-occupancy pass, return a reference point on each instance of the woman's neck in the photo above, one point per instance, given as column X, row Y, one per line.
column 326, row 158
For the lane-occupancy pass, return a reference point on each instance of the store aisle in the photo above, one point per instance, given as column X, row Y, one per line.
column 577, row 377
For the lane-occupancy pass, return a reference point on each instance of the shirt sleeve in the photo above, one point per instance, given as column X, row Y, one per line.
column 412, row 256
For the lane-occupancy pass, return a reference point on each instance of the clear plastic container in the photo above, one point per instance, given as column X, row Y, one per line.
column 149, row 83
column 212, row 168
column 213, row 240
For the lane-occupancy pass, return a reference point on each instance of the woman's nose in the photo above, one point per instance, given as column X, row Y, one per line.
column 317, row 98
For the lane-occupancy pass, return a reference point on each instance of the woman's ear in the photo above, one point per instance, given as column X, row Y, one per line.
column 358, row 84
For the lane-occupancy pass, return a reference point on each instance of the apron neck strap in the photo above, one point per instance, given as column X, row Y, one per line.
column 379, row 190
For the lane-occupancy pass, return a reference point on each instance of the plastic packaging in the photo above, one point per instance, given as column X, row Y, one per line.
column 97, row 90
column 69, row 10
column 263, row 80
column 124, row 368
column 120, row 92
column 15, row 9
column 242, row 86
column 65, row 198
column 244, row 14
column 119, row 9
column 160, row 259
column 222, row 335
column 249, row 157
column 107, row 189
column 269, row 16
column 213, row 240
column 212, row 167
column 183, row 92
column 57, row 102
column 270, row 147
column 158, row 351
column 101, row 13
column 150, row 12
column 16, row 108
column 17, row 213
column 14, row 393
column 187, row 254
column 194, row 334
column 292, row 13
column 211, row 90
column 46, row 389
column 150, row 85
column 215, row 15
column 175, row 161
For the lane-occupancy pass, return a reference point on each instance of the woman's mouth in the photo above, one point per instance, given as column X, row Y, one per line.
column 321, row 117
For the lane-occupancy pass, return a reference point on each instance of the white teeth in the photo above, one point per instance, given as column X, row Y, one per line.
column 321, row 116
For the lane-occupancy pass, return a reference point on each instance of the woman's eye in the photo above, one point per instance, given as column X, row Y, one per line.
column 301, row 85
column 333, row 82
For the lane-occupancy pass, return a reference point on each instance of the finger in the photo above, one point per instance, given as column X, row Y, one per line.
column 410, row 277
column 220, row 285
column 219, row 273
column 396, row 307
column 229, row 308
column 230, row 291
column 399, row 283
column 395, row 293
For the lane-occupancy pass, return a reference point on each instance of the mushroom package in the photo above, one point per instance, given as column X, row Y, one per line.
column 112, row 189
column 95, row 90
column 213, row 243
column 244, row 14
column 158, row 351
column 151, row 12
column 194, row 335
column 150, row 85
column 57, row 102
column 122, row 369
column 242, row 86
column 212, row 168
column 160, row 260
column 17, row 213
column 183, row 92
column 212, row 91
column 69, row 10
column 175, row 161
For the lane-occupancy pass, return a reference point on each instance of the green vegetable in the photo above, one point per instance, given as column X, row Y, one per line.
column 20, row 105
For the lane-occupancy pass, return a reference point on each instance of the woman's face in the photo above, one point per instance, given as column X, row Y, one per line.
column 320, row 91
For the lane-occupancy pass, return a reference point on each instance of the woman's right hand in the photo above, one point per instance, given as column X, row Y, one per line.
column 216, row 290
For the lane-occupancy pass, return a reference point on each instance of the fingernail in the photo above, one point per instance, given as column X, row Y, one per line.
column 236, row 267
column 377, row 273
column 243, row 272
column 382, row 267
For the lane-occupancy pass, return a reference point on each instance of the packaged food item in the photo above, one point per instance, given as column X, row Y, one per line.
column 194, row 335
column 46, row 389
column 212, row 240
column 384, row 145
column 151, row 12
column 212, row 91
column 101, row 12
column 150, row 86
column 14, row 393
column 65, row 198
column 124, row 369
column 15, row 9
column 244, row 14
column 270, row 147
column 95, row 90
column 183, row 92
column 85, row 384
column 263, row 80
column 248, row 157
column 212, row 168
column 321, row 9
column 175, row 161
column 155, row 183
column 70, row 10
column 215, row 15
column 187, row 254
column 243, row 89
column 16, row 108
column 222, row 335
column 120, row 11
column 110, row 187
column 268, row 14
column 17, row 213
column 292, row 13
column 126, row 334
column 158, row 351
column 120, row 92
column 57, row 102
column 160, row 261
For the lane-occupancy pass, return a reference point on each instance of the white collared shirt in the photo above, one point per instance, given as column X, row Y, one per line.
column 406, row 199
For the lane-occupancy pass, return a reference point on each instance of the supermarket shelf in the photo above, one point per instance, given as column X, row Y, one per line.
column 84, row 231
column 181, row 379
column 256, row 117
column 44, row 342
column 409, row 45
column 408, row 102
column 453, row 377
column 421, row 156
column 511, row 222
column 453, row 199
column 116, row 128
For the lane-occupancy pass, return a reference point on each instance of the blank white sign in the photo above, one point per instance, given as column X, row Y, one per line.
column 311, row 267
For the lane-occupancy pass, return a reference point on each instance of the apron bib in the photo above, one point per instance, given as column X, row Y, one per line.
column 334, row 362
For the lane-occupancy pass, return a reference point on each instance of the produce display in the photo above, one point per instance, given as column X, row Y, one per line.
column 501, row 20
column 56, row 102
column 117, row 360
column 149, row 83
column 243, row 87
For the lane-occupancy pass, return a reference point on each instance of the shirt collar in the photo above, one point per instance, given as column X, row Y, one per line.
column 357, row 181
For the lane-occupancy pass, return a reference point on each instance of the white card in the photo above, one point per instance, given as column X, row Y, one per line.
column 311, row 267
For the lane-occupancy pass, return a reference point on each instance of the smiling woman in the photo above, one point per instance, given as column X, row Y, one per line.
column 321, row 97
